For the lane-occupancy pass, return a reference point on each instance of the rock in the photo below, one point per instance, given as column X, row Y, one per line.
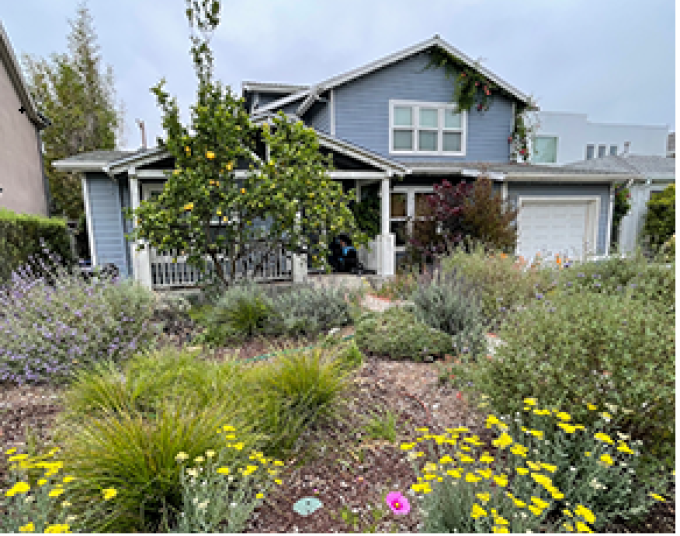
column 333, row 331
column 429, row 359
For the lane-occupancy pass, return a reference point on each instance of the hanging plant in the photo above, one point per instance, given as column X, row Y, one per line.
column 474, row 90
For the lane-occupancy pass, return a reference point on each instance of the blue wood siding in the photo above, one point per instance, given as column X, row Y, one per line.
column 124, row 186
column 318, row 117
column 516, row 189
column 362, row 111
column 107, row 221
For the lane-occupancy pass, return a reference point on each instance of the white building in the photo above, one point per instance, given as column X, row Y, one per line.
column 563, row 137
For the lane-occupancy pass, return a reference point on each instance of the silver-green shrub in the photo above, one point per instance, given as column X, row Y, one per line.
column 49, row 329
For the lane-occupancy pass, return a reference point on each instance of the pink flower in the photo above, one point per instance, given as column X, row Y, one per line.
column 398, row 503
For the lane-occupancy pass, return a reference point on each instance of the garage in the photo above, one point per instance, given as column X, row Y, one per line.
column 564, row 225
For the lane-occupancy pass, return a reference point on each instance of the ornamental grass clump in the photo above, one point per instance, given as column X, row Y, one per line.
column 605, row 349
column 447, row 302
column 222, row 488
column 37, row 496
column 48, row 331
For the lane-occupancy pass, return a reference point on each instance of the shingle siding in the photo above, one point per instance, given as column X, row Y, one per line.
column 362, row 111
column 516, row 189
column 107, row 221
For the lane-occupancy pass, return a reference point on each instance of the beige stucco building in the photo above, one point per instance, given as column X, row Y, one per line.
column 23, row 185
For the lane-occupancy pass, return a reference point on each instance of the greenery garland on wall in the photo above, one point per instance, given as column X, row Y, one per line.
column 474, row 90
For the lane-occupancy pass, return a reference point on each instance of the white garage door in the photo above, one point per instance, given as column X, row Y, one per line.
column 555, row 227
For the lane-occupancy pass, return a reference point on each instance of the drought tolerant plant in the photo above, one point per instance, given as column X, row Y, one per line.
column 450, row 304
column 604, row 349
column 382, row 425
column 660, row 219
column 400, row 286
column 308, row 310
column 47, row 331
column 397, row 333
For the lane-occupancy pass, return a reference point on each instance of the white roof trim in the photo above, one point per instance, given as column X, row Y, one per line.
column 557, row 177
column 263, row 87
column 141, row 159
column 282, row 102
column 61, row 165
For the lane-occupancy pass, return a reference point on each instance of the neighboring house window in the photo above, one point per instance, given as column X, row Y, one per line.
column 426, row 128
column 613, row 150
column 601, row 151
column 590, row 152
column 545, row 150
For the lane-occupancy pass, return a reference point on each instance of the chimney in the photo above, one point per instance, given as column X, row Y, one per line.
column 141, row 127
column 626, row 148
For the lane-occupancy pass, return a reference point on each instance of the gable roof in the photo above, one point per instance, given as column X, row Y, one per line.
column 635, row 164
column 10, row 62
column 311, row 93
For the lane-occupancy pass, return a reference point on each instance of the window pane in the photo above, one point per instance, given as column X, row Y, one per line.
column 427, row 140
column 399, row 230
column 590, row 152
column 613, row 149
column 422, row 206
column 397, row 205
column 426, row 231
column 403, row 116
column 601, row 151
column 403, row 140
column 429, row 118
column 545, row 150
column 453, row 141
column 452, row 119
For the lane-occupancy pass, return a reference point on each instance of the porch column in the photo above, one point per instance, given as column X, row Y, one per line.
column 385, row 240
column 141, row 261
column 299, row 267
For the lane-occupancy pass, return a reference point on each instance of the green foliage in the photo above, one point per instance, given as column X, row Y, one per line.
column 76, row 92
column 382, row 426
column 660, row 219
column 295, row 391
column 502, row 284
column 308, row 310
column 603, row 349
column 367, row 215
column 352, row 357
column 450, row 304
column 622, row 205
column 399, row 287
column 397, row 333
column 24, row 239
column 204, row 211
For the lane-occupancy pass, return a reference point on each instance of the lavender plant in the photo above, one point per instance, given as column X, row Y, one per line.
column 52, row 325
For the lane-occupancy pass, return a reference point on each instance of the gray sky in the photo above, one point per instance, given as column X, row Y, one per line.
column 611, row 59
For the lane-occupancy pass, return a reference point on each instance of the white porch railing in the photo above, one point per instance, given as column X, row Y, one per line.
column 256, row 264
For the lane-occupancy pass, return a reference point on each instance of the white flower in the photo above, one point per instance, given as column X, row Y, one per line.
column 192, row 472
column 29, row 499
column 623, row 436
column 203, row 505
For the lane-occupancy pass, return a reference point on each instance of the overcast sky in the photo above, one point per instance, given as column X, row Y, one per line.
column 611, row 59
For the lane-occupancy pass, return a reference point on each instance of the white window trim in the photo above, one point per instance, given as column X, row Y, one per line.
column 410, row 192
column 594, row 146
column 599, row 146
column 592, row 217
column 557, row 148
column 440, row 106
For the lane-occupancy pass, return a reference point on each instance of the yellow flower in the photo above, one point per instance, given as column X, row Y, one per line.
column 503, row 441
column 430, row 477
column 56, row 492
column 604, row 437
column 542, row 411
column 278, row 462
column 57, row 529
column 657, row 497
column 486, row 473
column 477, row 511
column 229, row 166
column 455, row 473
column 210, row 453
column 228, row 428
column 501, row 521
column 567, row 427
column 188, row 151
column 539, row 502
column 210, row 155
column 278, row 481
column 243, row 190
column 423, row 429
column 259, row 496
column 535, row 510
column 486, row 458
column 239, row 446
column 567, row 513
column 109, row 493
column 484, row 497
column 588, row 454
column 563, row 416
column 271, row 162
column 501, row 480
column 29, row 527
column 541, row 479
column 592, row 407
column 199, row 459
column 42, row 482
column 554, row 492
column 407, row 446
column 522, row 470
column 420, row 488
column 68, row 479
column 624, row 448
column 177, row 172
column 182, row 456
column 17, row 457
column 466, row 459
column 536, row 433
column 65, row 504
column 223, row 471
column 582, row 527
column 530, row 401
column 500, row 529
column 533, row 465
column 606, row 416
column 568, row 526
column 11, row 451
column 519, row 503
column 469, row 477
column 607, row 459
column 189, row 206
column 585, row 513
column 19, row 487
column 549, row 467
column 519, row 450
column 492, row 420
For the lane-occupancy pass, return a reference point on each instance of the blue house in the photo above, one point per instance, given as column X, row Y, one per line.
column 394, row 132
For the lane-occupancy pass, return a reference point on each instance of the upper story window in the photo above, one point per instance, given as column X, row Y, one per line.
column 427, row 128
column 545, row 150
column 613, row 150
column 590, row 152
column 601, row 151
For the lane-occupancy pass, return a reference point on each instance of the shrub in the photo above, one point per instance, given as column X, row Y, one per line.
column 448, row 303
column 308, row 310
column 49, row 331
column 295, row 391
column 660, row 219
column 603, row 349
column 502, row 284
column 397, row 333
column 546, row 476
column 27, row 238
column 400, row 286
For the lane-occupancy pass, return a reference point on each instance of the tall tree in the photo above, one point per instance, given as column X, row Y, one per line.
column 76, row 92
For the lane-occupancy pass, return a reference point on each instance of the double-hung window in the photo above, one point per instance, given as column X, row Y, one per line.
column 421, row 128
